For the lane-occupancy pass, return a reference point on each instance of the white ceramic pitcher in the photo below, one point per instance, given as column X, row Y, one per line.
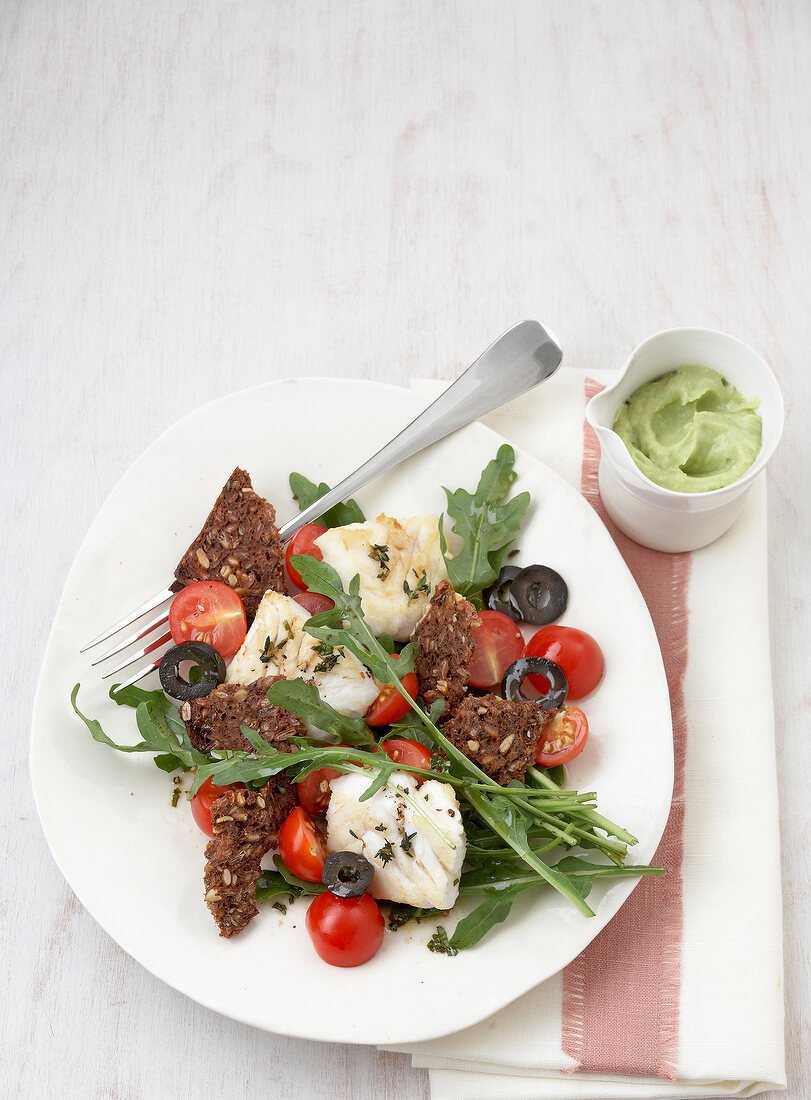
column 662, row 518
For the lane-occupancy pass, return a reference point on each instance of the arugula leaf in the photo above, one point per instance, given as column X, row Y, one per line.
column 161, row 728
column 492, row 910
column 485, row 521
column 131, row 696
column 307, row 492
column 303, row 700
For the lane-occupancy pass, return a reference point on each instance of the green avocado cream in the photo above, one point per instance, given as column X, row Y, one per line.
column 690, row 430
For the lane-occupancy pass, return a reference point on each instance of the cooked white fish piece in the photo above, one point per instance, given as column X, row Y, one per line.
column 399, row 562
column 278, row 645
column 418, row 853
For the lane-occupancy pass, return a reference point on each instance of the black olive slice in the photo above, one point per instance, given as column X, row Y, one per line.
column 552, row 673
column 204, row 656
column 347, row 874
column 540, row 594
column 498, row 597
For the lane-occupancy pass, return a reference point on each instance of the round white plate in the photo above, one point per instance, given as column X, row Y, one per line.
column 136, row 863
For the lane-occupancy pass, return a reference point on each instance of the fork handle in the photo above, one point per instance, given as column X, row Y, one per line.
column 519, row 359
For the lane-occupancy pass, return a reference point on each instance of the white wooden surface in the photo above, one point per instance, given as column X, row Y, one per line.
column 199, row 196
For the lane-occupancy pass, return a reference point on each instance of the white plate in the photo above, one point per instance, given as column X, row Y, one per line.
column 136, row 863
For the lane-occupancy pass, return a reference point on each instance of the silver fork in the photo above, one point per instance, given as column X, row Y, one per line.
column 521, row 358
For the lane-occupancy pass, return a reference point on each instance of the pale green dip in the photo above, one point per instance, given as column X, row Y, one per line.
column 690, row 430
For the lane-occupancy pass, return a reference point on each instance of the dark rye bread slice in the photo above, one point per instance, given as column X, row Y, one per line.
column 499, row 735
column 213, row 721
column 445, row 638
column 239, row 544
column 246, row 825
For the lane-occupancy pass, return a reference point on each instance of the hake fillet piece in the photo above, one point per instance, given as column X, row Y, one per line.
column 278, row 645
column 399, row 562
column 417, row 855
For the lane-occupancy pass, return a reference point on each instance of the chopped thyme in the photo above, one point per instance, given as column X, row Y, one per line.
column 330, row 656
column 399, row 913
column 175, row 796
column 422, row 586
column 328, row 663
column 381, row 828
column 380, row 554
column 271, row 648
column 440, row 943
column 385, row 854
column 406, row 845
column 354, row 834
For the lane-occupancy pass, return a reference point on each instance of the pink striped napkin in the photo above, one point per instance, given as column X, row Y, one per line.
column 681, row 994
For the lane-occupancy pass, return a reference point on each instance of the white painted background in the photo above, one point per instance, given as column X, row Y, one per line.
column 199, row 196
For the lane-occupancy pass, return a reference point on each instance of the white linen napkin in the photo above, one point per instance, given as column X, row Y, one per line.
column 730, row 1002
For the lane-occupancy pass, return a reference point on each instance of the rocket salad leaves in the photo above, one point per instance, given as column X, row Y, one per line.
column 306, row 492
column 485, row 521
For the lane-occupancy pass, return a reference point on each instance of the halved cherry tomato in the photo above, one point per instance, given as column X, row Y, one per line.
column 204, row 799
column 313, row 792
column 303, row 542
column 208, row 611
column 575, row 651
column 411, row 754
column 300, row 846
column 562, row 738
column 345, row 931
column 390, row 706
column 314, row 602
column 498, row 643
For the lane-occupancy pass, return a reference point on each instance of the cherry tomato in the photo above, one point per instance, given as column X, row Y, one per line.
column 498, row 643
column 303, row 542
column 314, row 602
column 313, row 792
column 575, row 651
column 300, row 846
column 204, row 799
column 208, row 611
column 345, row 931
column 411, row 754
column 562, row 738
column 390, row 706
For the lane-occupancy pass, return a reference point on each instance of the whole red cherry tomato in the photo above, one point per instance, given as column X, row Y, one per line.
column 575, row 651
column 345, row 931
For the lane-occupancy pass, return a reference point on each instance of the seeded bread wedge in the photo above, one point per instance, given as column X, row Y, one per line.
column 246, row 825
column 239, row 545
column 214, row 720
column 445, row 638
column 499, row 735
